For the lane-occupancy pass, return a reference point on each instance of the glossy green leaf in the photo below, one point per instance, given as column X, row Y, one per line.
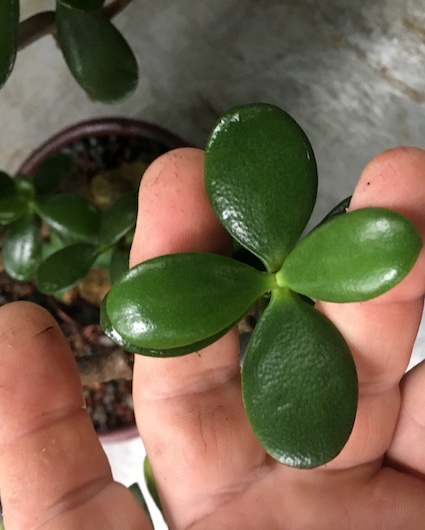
column 116, row 337
column 118, row 219
column 299, row 383
column 66, row 268
column 83, row 5
column 177, row 300
column 261, row 179
column 21, row 251
column 119, row 263
column 52, row 172
column 9, row 20
column 354, row 257
column 12, row 204
column 72, row 216
column 96, row 53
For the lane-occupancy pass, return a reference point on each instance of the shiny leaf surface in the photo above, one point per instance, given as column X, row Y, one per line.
column 177, row 300
column 21, row 251
column 118, row 219
column 354, row 257
column 66, row 268
column 12, row 203
column 9, row 20
column 83, row 5
column 261, row 179
column 72, row 216
column 299, row 383
column 115, row 336
column 96, row 53
column 52, row 172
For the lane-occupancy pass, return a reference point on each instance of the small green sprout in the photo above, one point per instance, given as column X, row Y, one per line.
column 299, row 379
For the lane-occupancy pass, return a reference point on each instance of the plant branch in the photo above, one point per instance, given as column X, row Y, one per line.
column 102, row 368
column 43, row 23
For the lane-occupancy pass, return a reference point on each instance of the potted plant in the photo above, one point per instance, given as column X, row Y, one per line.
column 97, row 54
column 66, row 222
column 299, row 380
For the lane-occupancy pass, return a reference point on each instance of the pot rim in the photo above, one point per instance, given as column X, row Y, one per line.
column 99, row 127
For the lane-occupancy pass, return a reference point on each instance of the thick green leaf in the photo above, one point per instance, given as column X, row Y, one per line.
column 21, row 250
column 177, row 300
column 118, row 219
column 72, row 216
column 9, row 20
column 66, row 268
column 52, row 172
column 96, row 53
column 113, row 334
column 261, row 178
column 12, row 204
column 83, row 5
column 299, row 383
column 354, row 257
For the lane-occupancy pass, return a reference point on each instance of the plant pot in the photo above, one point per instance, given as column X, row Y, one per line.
column 101, row 148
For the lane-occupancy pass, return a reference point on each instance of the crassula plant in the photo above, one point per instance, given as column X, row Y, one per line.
column 56, row 238
column 299, row 379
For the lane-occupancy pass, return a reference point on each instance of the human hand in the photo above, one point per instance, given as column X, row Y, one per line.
column 210, row 470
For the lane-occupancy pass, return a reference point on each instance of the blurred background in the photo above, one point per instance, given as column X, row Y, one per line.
column 351, row 73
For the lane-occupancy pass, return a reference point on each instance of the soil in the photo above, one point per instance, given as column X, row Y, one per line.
column 107, row 166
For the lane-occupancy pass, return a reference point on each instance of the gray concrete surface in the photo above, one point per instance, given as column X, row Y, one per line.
column 351, row 73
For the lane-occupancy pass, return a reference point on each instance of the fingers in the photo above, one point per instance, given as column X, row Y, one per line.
column 189, row 409
column 53, row 472
column 381, row 332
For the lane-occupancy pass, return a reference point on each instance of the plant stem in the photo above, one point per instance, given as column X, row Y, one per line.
column 103, row 368
column 43, row 23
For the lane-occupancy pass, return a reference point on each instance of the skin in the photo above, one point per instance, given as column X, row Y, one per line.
column 210, row 470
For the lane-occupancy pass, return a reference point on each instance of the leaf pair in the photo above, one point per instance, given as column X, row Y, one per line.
column 19, row 200
column 299, row 380
column 96, row 53
column 91, row 235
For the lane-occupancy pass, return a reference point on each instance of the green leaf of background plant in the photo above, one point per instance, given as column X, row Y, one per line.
column 118, row 219
column 66, row 268
column 181, row 299
column 96, row 53
column 299, row 383
column 71, row 215
column 119, row 263
column 115, row 336
column 354, row 257
column 261, row 179
column 21, row 251
column 52, row 172
column 9, row 20
column 12, row 204
column 83, row 5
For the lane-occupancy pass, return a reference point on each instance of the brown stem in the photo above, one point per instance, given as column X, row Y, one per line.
column 41, row 24
column 103, row 368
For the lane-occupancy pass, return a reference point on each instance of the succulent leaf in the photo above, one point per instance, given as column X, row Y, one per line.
column 354, row 257
column 299, row 383
column 261, row 179
column 9, row 21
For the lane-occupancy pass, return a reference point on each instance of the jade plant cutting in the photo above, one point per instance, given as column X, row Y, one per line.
column 299, row 379
column 56, row 238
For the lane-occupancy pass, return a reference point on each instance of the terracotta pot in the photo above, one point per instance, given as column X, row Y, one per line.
column 103, row 127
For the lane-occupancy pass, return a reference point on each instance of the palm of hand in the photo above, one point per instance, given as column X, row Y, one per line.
column 210, row 470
